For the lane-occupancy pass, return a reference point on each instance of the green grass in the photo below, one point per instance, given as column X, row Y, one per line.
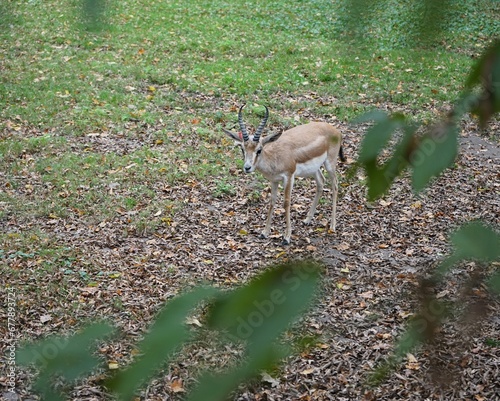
column 57, row 74
column 163, row 76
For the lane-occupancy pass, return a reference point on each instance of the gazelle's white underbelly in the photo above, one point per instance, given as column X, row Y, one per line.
column 310, row 167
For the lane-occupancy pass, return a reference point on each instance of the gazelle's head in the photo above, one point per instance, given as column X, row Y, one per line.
column 251, row 145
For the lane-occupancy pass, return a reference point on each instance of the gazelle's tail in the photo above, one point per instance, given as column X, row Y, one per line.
column 341, row 155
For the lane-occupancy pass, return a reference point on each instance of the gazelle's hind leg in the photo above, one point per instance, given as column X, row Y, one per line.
column 332, row 175
column 320, row 180
column 288, row 187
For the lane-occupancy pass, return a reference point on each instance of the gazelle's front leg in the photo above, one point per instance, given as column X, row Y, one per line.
column 320, row 180
column 274, row 196
column 288, row 186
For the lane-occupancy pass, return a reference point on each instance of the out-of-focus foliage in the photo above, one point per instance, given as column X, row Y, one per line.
column 393, row 23
column 93, row 14
column 428, row 154
column 486, row 78
column 428, row 151
column 255, row 315
column 63, row 358
column 471, row 242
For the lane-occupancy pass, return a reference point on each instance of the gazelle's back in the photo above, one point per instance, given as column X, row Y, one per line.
column 303, row 142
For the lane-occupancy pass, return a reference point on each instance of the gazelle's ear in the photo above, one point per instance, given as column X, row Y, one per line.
column 271, row 138
column 236, row 137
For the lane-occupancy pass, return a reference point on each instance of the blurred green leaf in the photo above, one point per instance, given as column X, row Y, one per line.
column 258, row 314
column 465, row 104
column 93, row 14
column 483, row 67
column 69, row 358
column 377, row 182
column 261, row 310
column 217, row 387
column 381, row 176
column 59, row 355
column 472, row 241
column 433, row 155
column 371, row 116
column 486, row 75
column 433, row 19
column 358, row 16
column 477, row 241
column 397, row 162
column 379, row 135
column 411, row 23
column 167, row 335
column 494, row 283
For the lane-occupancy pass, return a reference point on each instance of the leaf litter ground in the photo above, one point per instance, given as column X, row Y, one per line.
column 372, row 267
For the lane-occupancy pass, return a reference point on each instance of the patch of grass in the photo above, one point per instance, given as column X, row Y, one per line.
column 62, row 76
column 224, row 187
column 391, row 24
column 492, row 342
column 95, row 186
column 34, row 248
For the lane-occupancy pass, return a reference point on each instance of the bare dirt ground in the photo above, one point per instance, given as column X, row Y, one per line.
column 372, row 263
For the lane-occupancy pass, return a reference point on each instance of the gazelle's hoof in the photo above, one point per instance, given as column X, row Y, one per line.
column 285, row 242
column 262, row 236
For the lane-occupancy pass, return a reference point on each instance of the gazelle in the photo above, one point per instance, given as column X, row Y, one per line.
column 282, row 156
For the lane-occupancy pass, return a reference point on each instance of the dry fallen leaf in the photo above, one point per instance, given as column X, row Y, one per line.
column 176, row 386
column 90, row 290
column 417, row 205
column 113, row 365
column 412, row 364
column 266, row 378
column 343, row 246
column 193, row 321
column 45, row 318
column 308, row 371
column 367, row 294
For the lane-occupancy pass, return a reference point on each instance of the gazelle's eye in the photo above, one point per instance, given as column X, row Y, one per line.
column 258, row 152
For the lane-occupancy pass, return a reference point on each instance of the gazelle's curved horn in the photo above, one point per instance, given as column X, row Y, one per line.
column 243, row 128
column 261, row 126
